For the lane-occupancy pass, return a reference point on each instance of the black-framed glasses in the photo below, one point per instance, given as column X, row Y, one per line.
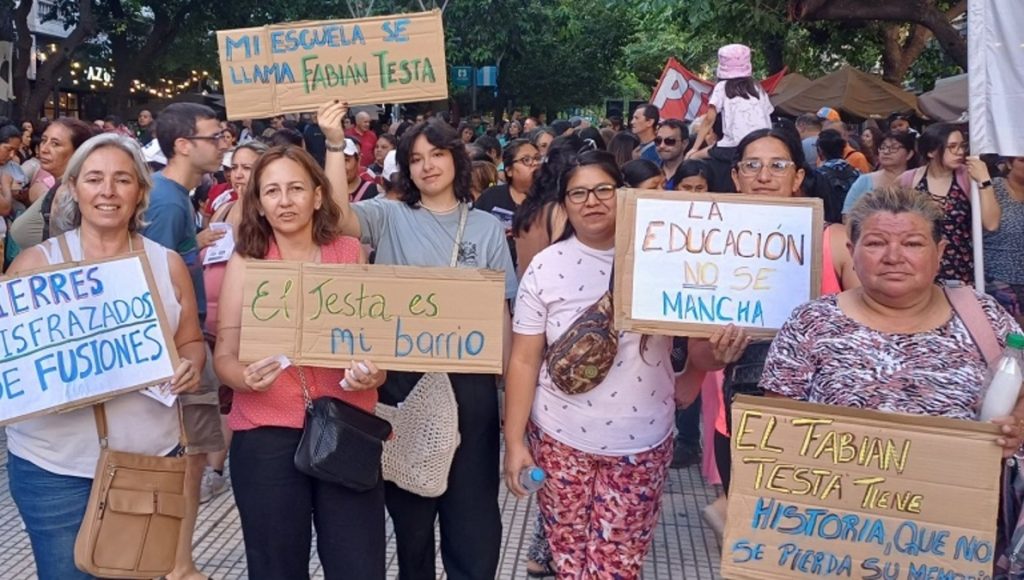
column 218, row 136
column 668, row 141
column 580, row 195
column 957, row 147
column 776, row 167
column 889, row 148
column 529, row 161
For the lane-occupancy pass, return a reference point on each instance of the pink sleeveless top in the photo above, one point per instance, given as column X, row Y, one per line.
column 282, row 404
column 830, row 283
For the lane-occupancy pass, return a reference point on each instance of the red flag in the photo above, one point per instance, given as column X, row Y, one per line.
column 771, row 83
column 680, row 94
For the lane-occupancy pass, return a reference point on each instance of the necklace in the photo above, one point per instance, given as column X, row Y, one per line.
column 441, row 225
column 441, row 211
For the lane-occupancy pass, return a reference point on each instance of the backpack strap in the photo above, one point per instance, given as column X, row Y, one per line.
column 47, row 209
column 911, row 177
column 966, row 305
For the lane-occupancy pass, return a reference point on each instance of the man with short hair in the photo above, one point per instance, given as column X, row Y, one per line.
column 144, row 134
column 809, row 125
column 851, row 155
column 835, row 176
column 191, row 138
column 366, row 138
column 673, row 136
column 529, row 125
column 645, row 125
column 492, row 147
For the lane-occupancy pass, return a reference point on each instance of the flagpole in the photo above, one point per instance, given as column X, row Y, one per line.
column 978, row 237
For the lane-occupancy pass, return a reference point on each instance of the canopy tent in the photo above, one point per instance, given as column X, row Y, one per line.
column 790, row 85
column 850, row 91
column 947, row 102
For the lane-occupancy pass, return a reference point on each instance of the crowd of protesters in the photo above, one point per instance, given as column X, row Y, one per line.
column 535, row 200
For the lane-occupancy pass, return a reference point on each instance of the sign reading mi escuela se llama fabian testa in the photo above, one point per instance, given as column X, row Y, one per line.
column 297, row 66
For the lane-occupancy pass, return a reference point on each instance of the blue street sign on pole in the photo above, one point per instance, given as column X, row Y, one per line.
column 462, row 76
column 487, row 76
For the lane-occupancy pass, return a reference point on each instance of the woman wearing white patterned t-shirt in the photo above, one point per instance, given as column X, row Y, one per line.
column 606, row 451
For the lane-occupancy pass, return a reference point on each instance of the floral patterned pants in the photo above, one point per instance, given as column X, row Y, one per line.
column 599, row 511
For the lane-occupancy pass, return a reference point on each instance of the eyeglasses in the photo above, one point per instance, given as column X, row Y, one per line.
column 669, row 141
column 776, row 167
column 957, row 147
column 580, row 195
column 218, row 136
column 529, row 161
column 889, row 148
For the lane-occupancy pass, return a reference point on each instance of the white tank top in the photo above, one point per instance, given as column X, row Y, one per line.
column 66, row 443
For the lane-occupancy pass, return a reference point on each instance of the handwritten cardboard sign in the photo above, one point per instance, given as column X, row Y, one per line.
column 80, row 333
column 399, row 317
column 298, row 66
column 823, row 491
column 687, row 264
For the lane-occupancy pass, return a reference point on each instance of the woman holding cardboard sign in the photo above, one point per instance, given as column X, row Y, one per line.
column 288, row 213
column 768, row 162
column 926, row 335
column 431, row 224
column 597, row 406
column 52, row 459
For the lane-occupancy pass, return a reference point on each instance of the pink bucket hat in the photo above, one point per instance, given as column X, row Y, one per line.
column 734, row 62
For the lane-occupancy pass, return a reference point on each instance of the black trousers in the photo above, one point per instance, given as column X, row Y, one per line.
column 277, row 503
column 469, row 514
column 723, row 459
column 688, row 423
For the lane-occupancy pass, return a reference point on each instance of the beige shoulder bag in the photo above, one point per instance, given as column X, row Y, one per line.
column 133, row 519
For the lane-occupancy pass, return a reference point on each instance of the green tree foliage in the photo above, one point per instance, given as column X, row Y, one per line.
column 551, row 54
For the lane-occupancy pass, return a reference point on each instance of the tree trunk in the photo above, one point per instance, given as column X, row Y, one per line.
column 774, row 54
column 898, row 55
column 923, row 12
column 32, row 97
column 129, row 61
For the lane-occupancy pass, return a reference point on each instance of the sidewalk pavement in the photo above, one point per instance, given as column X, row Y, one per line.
column 683, row 548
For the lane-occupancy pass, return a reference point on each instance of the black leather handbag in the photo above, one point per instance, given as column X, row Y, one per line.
column 340, row 443
column 742, row 377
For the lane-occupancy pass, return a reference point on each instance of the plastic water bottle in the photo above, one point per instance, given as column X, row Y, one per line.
column 1004, row 384
column 532, row 478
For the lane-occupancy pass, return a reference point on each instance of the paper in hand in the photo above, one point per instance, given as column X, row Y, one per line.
column 221, row 250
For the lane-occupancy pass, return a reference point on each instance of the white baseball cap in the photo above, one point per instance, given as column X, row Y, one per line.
column 390, row 166
column 351, row 147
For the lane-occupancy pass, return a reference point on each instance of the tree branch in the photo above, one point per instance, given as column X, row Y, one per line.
column 923, row 12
